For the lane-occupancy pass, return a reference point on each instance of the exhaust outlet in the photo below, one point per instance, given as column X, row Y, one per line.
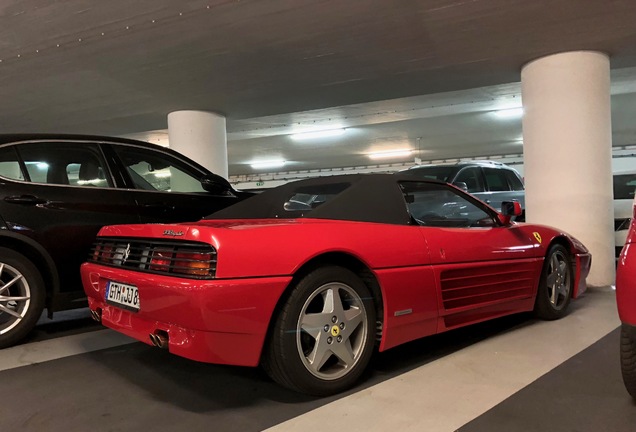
column 96, row 315
column 159, row 339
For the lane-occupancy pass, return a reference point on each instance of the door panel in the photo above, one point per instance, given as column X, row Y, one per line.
column 65, row 198
column 178, row 207
column 479, row 267
column 477, row 262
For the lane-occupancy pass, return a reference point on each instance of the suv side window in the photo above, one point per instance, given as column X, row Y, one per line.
column 473, row 179
column 74, row 164
column 154, row 171
column 513, row 180
column 9, row 164
column 496, row 179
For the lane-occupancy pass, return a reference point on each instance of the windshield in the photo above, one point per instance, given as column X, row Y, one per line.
column 441, row 173
column 624, row 185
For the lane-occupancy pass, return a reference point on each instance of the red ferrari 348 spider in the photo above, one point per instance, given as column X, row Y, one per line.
column 309, row 278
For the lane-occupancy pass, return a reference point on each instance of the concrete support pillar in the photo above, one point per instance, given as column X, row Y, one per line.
column 202, row 137
column 567, row 151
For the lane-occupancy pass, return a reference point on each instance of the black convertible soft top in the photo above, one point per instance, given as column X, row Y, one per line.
column 354, row 197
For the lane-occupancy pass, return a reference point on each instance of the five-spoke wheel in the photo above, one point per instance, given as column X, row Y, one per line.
column 21, row 296
column 556, row 283
column 322, row 340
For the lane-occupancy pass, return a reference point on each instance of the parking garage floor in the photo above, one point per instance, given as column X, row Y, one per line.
column 511, row 374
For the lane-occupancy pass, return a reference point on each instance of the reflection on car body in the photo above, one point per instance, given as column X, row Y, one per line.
column 372, row 271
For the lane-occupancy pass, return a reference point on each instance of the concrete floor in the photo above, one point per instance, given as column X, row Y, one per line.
column 76, row 379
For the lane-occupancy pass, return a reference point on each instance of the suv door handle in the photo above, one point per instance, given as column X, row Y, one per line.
column 25, row 200
column 159, row 206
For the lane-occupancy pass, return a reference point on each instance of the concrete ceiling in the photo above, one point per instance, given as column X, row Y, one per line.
column 396, row 71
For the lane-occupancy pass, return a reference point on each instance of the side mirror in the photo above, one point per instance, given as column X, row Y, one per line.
column 508, row 210
column 216, row 184
column 462, row 185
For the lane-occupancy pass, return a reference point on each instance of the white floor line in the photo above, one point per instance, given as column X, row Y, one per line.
column 52, row 349
column 448, row 393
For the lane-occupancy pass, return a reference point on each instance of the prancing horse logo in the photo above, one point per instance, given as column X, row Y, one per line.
column 126, row 254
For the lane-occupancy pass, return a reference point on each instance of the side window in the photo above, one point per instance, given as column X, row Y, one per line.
column 307, row 198
column 624, row 186
column 513, row 180
column 9, row 164
column 473, row 179
column 74, row 164
column 496, row 179
column 155, row 171
column 440, row 206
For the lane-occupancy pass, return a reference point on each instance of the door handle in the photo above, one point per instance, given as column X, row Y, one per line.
column 159, row 206
column 25, row 200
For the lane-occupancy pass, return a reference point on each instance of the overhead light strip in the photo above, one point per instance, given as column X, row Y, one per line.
column 318, row 134
column 391, row 154
column 275, row 163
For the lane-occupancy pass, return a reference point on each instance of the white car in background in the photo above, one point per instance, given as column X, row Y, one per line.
column 624, row 188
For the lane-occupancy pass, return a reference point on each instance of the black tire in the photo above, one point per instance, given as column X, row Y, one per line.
column 628, row 358
column 341, row 337
column 22, row 302
column 556, row 284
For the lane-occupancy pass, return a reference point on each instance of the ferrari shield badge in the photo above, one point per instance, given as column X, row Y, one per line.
column 537, row 236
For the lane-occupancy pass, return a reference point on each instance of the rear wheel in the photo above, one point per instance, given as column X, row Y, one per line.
column 556, row 283
column 21, row 296
column 322, row 340
column 628, row 358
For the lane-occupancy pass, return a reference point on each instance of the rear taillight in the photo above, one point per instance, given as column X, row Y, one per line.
column 160, row 261
column 106, row 253
column 196, row 264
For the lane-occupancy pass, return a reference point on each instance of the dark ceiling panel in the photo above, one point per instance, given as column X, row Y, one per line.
column 121, row 66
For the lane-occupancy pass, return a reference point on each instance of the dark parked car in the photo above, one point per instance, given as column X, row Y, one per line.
column 57, row 191
column 490, row 181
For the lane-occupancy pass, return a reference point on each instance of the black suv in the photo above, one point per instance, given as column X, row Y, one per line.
column 490, row 181
column 56, row 191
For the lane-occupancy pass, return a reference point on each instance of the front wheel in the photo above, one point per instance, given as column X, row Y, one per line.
column 628, row 358
column 21, row 296
column 556, row 284
column 323, row 337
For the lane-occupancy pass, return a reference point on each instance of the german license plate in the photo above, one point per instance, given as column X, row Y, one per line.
column 122, row 295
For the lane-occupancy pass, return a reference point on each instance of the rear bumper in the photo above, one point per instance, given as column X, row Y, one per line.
column 215, row 321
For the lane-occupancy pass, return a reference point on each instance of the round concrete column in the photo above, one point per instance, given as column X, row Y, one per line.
column 202, row 137
column 567, row 151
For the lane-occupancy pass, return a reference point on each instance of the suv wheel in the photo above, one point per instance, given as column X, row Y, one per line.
column 21, row 296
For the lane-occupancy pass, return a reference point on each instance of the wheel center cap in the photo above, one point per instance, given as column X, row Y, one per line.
column 335, row 330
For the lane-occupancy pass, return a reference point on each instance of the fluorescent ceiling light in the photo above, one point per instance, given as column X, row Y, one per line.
column 390, row 154
column 318, row 134
column 509, row 113
column 268, row 164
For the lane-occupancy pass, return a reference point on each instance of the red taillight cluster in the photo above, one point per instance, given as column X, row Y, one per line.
column 103, row 253
column 160, row 261
column 188, row 263
column 192, row 263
